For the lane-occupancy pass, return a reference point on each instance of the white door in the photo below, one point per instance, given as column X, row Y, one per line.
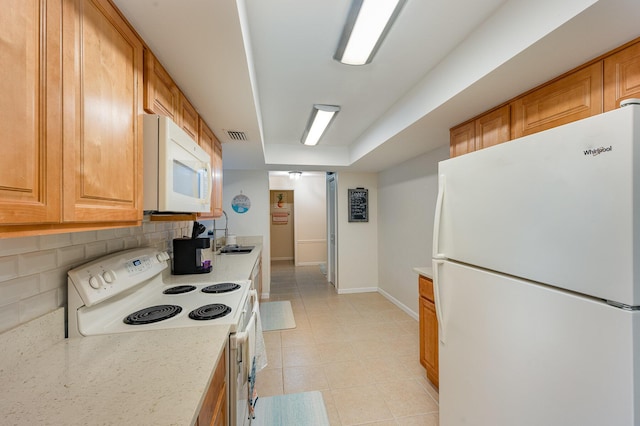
column 517, row 353
column 332, row 255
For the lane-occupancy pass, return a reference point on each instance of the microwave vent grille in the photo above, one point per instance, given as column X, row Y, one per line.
column 236, row 135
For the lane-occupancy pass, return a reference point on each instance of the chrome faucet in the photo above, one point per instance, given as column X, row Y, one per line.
column 225, row 229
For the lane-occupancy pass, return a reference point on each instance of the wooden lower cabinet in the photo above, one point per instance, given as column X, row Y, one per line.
column 428, row 329
column 214, row 406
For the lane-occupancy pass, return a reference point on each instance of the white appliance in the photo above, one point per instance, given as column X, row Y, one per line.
column 177, row 171
column 537, row 278
column 133, row 290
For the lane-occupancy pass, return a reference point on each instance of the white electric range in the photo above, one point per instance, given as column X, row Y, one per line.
column 132, row 290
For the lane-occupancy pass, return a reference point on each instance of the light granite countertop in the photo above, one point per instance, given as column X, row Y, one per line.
column 156, row 377
column 426, row 271
column 144, row 378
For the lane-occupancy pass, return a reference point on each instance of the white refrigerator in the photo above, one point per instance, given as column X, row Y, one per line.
column 537, row 278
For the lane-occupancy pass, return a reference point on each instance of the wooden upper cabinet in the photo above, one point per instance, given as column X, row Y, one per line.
column 102, row 114
column 462, row 139
column 188, row 117
column 217, row 177
column 30, row 112
column 621, row 76
column 161, row 95
column 493, row 128
column 211, row 144
column 573, row 97
column 487, row 130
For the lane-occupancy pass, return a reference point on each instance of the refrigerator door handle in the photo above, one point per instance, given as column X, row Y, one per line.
column 437, row 264
column 438, row 216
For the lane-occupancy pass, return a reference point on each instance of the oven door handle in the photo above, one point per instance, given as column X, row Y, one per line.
column 239, row 339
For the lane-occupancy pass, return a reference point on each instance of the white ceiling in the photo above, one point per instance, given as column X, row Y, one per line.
column 258, row 66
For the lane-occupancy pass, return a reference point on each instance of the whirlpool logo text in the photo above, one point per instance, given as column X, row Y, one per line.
column 598, row 151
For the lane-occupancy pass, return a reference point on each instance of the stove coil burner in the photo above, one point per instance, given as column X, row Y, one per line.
column 152, row 314
column 221, row 288
column 209, row 312
column 179, row 289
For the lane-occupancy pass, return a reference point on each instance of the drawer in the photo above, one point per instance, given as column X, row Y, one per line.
column 426, row 287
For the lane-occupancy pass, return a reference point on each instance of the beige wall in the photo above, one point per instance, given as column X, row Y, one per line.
column 357, row 241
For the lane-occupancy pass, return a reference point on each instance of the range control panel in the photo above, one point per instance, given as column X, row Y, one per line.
column 111, row 275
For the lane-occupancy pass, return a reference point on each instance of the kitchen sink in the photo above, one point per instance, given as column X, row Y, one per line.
column 235, row 249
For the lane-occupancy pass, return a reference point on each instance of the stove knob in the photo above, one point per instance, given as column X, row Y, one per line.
column 94, row 282
column 162, row 256
column 109, row 276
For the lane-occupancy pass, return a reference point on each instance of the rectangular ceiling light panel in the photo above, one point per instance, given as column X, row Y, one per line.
column 367, row 24
column 321, row 117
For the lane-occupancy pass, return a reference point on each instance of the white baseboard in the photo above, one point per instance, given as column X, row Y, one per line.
column 358, row 290
column 309, row 263
column 399, row 304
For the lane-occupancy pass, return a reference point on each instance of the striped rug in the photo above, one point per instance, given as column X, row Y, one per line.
column 299, row 409
column 276, row 316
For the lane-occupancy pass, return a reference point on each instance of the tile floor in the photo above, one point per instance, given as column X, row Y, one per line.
column 359, row 350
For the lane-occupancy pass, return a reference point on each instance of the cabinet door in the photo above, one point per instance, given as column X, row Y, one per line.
column 30, row 111
column 430, row 342
column 462, row 139
column 217, row 179
column 214, row 406
column 621, row 76
column 426, row 288
column 493, row 128
column 571, row 98
column 102, row 133
column 161, row 95
column 206, row 140
column 188, row 117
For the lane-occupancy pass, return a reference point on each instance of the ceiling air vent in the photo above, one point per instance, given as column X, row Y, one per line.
column 236, row 135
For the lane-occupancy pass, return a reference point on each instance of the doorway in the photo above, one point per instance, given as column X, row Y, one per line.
column 282, row 224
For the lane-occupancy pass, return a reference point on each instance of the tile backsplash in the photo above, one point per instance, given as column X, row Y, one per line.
column 33, row 270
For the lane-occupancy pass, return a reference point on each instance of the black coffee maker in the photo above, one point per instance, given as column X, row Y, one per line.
column 187, row 257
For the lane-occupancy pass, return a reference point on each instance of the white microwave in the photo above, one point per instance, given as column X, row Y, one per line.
column 177, row 171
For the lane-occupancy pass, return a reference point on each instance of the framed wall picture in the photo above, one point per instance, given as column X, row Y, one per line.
column 359, row 205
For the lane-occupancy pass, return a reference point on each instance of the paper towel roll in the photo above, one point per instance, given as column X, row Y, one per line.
column 231, row 240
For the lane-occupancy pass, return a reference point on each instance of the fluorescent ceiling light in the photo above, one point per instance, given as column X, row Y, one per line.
column 321, row 117
column 368, row 23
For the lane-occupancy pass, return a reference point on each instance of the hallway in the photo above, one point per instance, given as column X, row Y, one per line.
column 360, row 350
